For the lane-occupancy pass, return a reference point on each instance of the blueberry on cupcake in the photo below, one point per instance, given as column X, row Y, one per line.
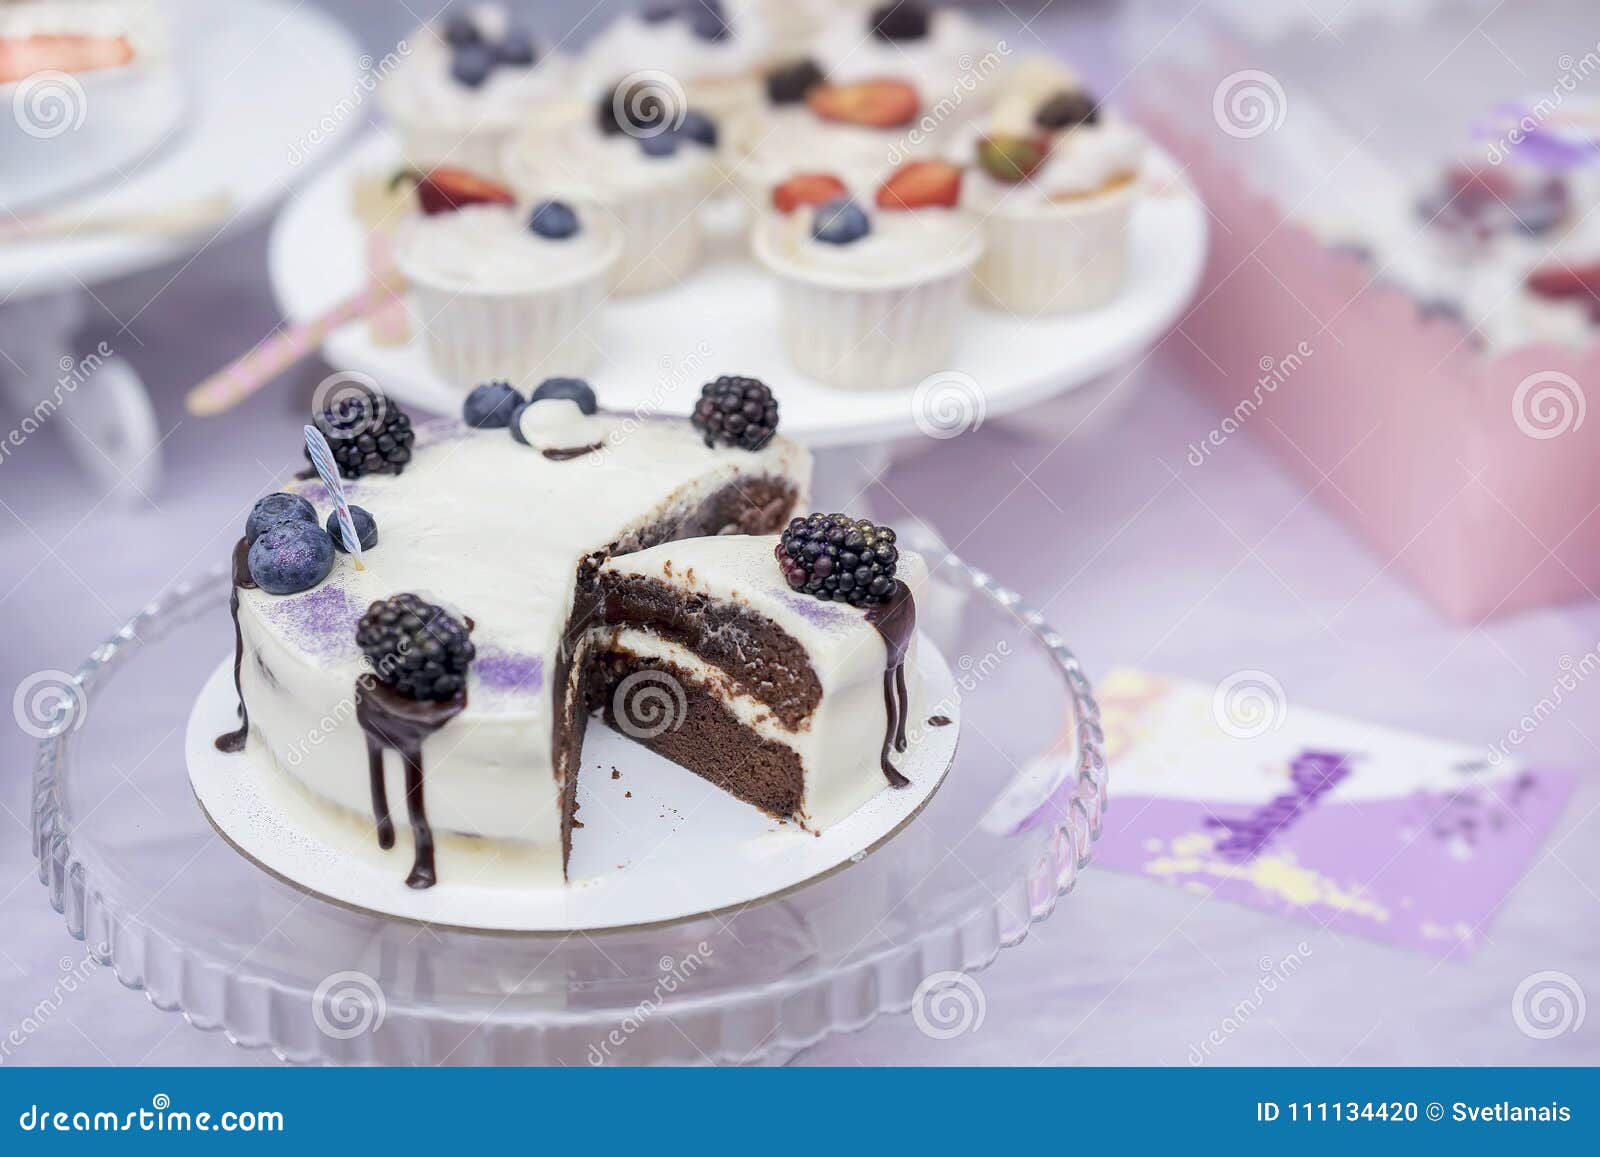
column 840, row 222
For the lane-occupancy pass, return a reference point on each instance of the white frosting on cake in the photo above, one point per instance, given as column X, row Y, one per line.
column 495, row 531
column 839, row 745
column 490, row 247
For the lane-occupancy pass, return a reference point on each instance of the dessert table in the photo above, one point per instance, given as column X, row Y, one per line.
column 1137, row 557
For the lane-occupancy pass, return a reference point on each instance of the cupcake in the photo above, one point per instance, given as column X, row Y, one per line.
column 869, row 300
column 642, row 160
column 507, row 295
column 858, row 132
column 946, row 56
column 712, row 51
column 466, row 85
column 1056, row 196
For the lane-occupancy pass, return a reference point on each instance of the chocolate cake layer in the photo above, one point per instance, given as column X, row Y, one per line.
column 707, row 739
column 758, row 656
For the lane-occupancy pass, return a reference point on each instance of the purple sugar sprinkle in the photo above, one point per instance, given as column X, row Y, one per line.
column 314, row 492
column 324, row 619
column 510, row 672
column 819, row 611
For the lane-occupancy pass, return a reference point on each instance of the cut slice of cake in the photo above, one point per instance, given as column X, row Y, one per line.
column 708, row 655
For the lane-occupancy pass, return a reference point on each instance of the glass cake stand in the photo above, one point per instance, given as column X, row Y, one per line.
column 140, row 875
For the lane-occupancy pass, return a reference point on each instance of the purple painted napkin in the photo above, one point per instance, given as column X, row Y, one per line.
column 1231, row 791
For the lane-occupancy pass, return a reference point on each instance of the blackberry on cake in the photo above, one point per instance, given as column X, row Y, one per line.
column 416, row 648
column 839, row 559
column 368, row 434
column 736, row 411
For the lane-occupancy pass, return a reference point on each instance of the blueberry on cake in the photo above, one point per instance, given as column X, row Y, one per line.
column 546, row 561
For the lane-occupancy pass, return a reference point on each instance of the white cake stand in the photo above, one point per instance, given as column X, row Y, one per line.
column 260, row 77
column 139, row 874
column 724, row 319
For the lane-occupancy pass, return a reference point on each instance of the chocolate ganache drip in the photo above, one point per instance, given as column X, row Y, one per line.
column 420, row 655
column 896, row 622
column 391, row 720
column 233, row 741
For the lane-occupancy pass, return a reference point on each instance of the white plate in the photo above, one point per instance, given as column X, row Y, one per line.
column 658, row 844
column 261, row 76
column 725, row 320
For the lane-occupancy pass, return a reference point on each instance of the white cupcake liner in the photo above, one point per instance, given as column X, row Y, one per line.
column 1056, row 257
column 867, row 336
column 475, row 335
column 662, row 238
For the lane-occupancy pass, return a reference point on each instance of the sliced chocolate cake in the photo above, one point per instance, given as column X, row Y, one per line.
column 424, row 625
column 792, row 703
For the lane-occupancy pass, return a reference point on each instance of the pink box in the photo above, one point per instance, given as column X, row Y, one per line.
column 1474, row 475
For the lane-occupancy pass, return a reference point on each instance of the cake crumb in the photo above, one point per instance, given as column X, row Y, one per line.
column 938, row 721
column 615, row 774
column 627, row 795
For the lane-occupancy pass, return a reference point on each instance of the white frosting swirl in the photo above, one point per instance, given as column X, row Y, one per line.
column 632, row 43
column 490, row 247
column 422, row 88
column 953, row 48
column 560, row 424
column 901, row 246
column 1084, row 161
column 579, row 160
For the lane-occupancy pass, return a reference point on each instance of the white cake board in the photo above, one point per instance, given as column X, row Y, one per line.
column 659, row 843
column 724, row 319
